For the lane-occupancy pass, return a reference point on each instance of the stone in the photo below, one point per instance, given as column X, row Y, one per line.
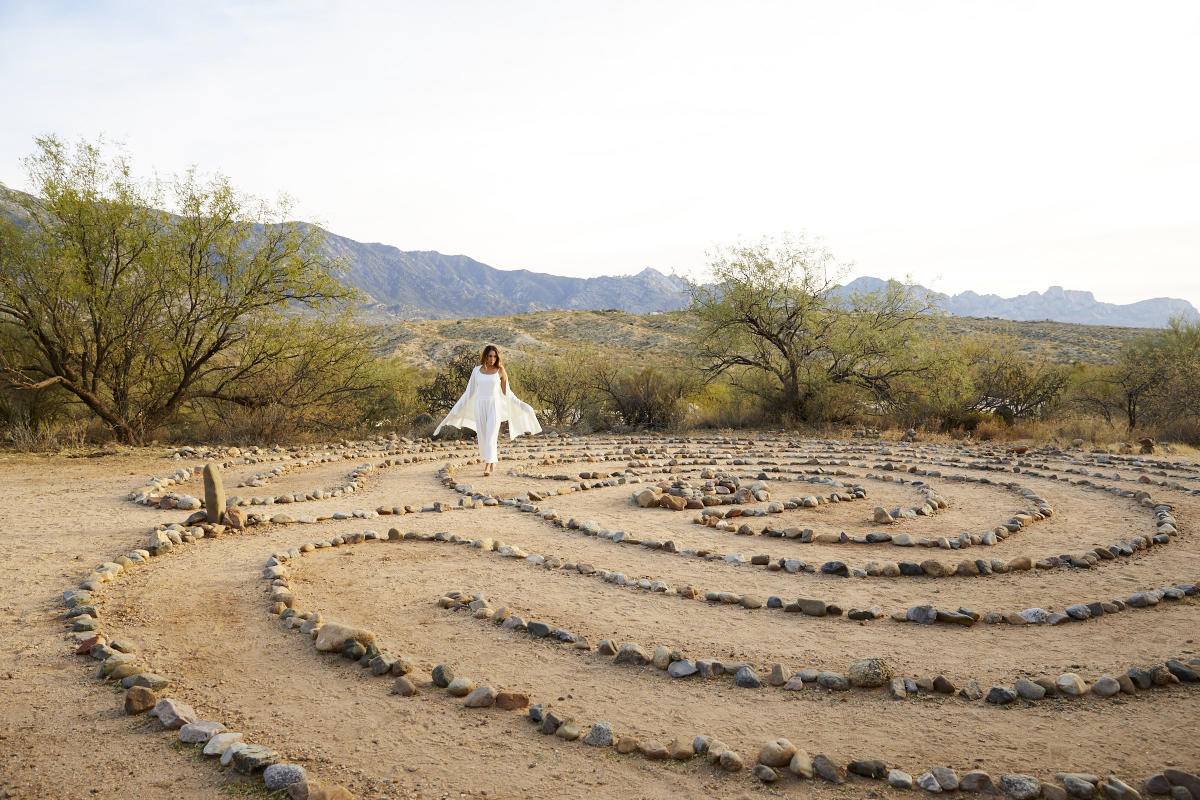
column 1077, row 785
column 139, row 700
column 869, row 672
column 281, row 776
column 214, row 492
column 801, row 765
column 442, row 675
column 217, row 744
column 626, row 744
column 680, row 750
column 943, row 685
column 511, row 701
column 331, row 636
column 731, row 761
column 826, row 769
column 631, row 653
column 928, row 782
column 834, row 681
column 977, row 781
column 661, row 657
column 765, row 773
column 254, row 758
column 173, row 714
column 872, row 768
column 947, row 778
column 569, row 730
column 1116, row 789
column 600, row 735
column 1020, row 787
column 971, row 691
column 404, row 687
column 1029, row 690
column 813, row 608
column 1179, row 778
column 460, row 687
column 481, row 697
column 1106, row 686
column 200, row 731
column 1071, row 684
column 777, row 753
column 899, row 779
column 682, row 669
column 1000, row 695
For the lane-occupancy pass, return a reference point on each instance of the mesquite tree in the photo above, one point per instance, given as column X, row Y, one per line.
column 137, row 311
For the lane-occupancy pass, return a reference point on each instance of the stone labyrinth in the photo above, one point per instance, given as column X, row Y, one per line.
column 725, row 614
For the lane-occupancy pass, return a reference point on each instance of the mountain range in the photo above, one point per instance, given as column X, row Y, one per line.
column 425, row 284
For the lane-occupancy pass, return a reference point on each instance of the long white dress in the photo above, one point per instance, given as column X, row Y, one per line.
column 483, row 407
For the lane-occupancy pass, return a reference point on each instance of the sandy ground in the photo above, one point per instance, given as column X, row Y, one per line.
column 200, row 615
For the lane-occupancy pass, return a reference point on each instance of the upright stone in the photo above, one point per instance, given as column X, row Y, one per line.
column 214, row 492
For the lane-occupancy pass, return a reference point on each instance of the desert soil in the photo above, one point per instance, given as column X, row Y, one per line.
column 200, row 615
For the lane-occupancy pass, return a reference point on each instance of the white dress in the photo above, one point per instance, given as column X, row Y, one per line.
column 483, row 407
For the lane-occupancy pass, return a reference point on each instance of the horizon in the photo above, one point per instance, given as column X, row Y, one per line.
column 999, row 150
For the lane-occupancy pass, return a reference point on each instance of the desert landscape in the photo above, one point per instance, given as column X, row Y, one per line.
column 819, row 618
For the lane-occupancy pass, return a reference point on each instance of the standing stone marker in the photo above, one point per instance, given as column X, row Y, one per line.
column 214, row 492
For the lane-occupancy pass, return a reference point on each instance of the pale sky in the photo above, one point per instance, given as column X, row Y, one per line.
column 996, row 146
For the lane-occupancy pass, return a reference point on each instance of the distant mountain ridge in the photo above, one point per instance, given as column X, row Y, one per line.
column 425, row 284
column 1056, row 304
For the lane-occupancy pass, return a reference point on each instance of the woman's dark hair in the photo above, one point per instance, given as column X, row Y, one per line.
column 491, row 348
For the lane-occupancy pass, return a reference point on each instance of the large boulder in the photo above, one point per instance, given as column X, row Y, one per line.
column 331, row 636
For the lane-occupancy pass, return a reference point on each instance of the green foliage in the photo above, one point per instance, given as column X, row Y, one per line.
column 137, row 313
column 561, row 386
column 647, row 397
column 439, row 394
column 772, row 321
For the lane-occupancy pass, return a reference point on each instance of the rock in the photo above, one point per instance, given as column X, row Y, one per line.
column 217, row 744
column 1116, row 789
column 801, row 765
column 404, row 687
column 834, row 681
column 765, row 773
column 731, row 761
column 681, row 669
column 1106, row 686
column 977, row 781
column 569, row 730
column 1179, row 778
column 813, row 608
column 1020, row 787
column 899, row 780
column 332, row 636
column 631, row 653
column 1077, row 786
column 1000, row 695
column 943, row 685
column 1029, row 690
column 776, row 753
column 511, row 701
column 946, row 778
column 680, row 750
column 627, row 744
column 481, row 697
column 882, row 517
column 254, row 758
column 869, row 672
column 745, row 678
column 600, row 735
column 1182, row 671
column 460, row 687
column 929, row 783
column 897, row 688
column 873, row 768
column 281, row 776
column 174, row 714
column 214, row 492
column 922, row 615
column 826, row 769
column 1071, row 684
column 442, row 675
column 971, row 691
column 139, row 700
column 200, row 731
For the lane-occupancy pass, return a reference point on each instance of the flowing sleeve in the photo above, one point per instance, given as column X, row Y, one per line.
column 521, row 417
column 463, row 413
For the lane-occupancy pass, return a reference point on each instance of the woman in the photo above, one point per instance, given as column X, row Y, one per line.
column 486, row 403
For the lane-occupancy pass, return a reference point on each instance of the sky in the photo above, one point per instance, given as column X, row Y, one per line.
column 999, row 147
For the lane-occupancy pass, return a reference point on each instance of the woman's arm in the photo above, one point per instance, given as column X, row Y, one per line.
column 503, row 381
